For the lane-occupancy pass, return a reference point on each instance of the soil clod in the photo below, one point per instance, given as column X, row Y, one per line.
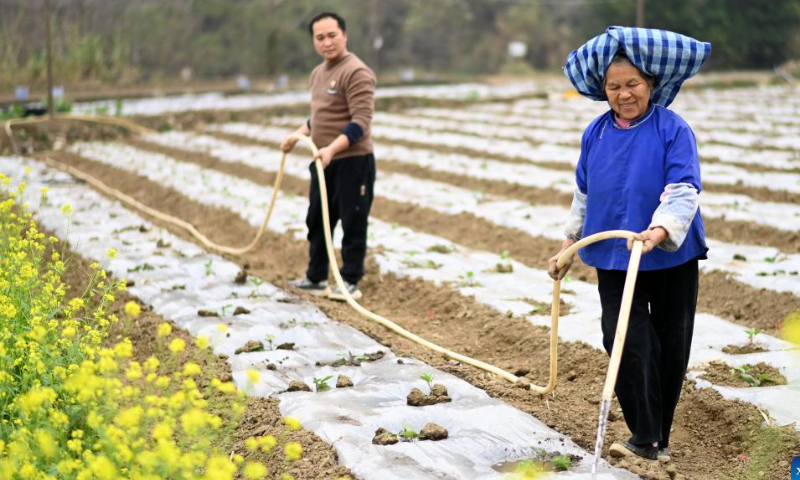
column 207, row 313
column 241, row 278
column 240, row 311
column 298, row 386
column 432, row 431
column 384, row 437
column 251, row 346
column 285, row 346
column 438, row 395
column 343, row 382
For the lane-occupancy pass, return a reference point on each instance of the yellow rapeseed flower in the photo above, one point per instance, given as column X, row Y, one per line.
column 251, row 443
column 164, row 329
column 292, row 423
column 162, row 431
column 790, row 328
column 192, row 369
column 177, row 345
column 201, row 342
column 222, row 328
column 68, row 332
column 254, row 471
column 133, row 309
column 46, row 444
column 253, row 376
column 66, row 209
column 267, row 443
column 112, row 253
column 293, row 451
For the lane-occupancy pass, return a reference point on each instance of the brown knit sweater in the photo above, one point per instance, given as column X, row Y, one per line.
column 342, row 92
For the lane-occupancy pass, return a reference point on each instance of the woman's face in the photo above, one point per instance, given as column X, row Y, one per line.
column 627, row 90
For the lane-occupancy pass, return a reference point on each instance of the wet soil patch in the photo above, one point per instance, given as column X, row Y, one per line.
column 707, row 427
column 758, row 375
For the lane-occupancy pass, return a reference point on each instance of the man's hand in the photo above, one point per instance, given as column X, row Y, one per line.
column 651, row 239
column 325, row 155
column 288, row 144
column 552, row 270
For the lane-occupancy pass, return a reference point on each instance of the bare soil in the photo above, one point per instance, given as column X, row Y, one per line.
column 760, row 375
column 711, row 433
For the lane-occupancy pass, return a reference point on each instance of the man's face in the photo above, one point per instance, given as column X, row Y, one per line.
column 330, row 41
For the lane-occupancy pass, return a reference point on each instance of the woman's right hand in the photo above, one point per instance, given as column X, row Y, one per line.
column 552, row 268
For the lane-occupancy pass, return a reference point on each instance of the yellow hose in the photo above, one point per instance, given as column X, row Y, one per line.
column 332, row 257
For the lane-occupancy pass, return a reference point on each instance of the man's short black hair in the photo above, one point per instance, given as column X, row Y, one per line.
column 322, row 15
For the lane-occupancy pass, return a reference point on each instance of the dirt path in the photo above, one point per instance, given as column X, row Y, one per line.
column 710, row 432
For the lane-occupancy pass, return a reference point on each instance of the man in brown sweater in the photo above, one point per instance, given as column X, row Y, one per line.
column 342, row 105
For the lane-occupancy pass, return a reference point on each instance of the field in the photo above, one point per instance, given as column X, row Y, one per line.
column 473, row 186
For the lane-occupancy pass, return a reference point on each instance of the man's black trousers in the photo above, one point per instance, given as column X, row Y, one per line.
column 657, row 345
column 350, row 182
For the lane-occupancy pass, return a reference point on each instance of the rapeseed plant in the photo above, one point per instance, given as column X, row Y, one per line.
column 73, row 408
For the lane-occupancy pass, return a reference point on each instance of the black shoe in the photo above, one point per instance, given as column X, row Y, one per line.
column 338, row 295
column 663, row 455
column 627, row 449
column 319, row 289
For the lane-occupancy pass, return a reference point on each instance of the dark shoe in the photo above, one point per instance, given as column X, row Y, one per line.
column 627, row 449
column 663, row 455
column 319, row 289
column 352, row 289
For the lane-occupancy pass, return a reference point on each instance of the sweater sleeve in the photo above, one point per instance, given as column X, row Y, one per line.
column 361, row 99
column 675, row 214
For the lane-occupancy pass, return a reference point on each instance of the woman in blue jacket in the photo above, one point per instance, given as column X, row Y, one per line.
column 639, row 170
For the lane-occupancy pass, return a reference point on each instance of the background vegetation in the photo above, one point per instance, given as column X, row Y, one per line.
column 127, row 41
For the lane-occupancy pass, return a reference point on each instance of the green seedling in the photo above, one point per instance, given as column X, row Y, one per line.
column 751, row 335
column 744, row 372
column 226, row 307
column 428, row 377
column 288, row 324
column 321, row 384
column 256, row 281
column 207, row 266
column 270, row 339
column 561, row 462
column 440, row 248
column 772, row 259
column 408, row 433
column 468, row 279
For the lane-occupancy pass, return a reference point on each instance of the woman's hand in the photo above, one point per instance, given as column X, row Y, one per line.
column 552, row 269
column 651, row 238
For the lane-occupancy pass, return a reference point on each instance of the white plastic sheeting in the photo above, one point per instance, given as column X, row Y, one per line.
column 408, row 253
column 780, row 274
column 482, row 431
column 220, row 101
column 717, row 173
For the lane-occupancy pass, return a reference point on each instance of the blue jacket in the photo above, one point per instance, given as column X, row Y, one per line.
column 623, row 172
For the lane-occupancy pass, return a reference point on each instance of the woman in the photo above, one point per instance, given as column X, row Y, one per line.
column 639, row 170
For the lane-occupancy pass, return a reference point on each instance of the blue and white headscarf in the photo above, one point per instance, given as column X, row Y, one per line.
column 671, row 58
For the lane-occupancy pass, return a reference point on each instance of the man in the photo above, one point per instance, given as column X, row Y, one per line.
column 342, row 105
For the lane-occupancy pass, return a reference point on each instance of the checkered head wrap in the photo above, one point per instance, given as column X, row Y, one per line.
column 671, row 58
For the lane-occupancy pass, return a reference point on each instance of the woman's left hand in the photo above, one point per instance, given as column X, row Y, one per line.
column 651, row 239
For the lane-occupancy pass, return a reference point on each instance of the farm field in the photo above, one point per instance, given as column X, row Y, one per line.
column 470, row 200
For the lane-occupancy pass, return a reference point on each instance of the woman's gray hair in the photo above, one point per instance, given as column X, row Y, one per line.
column 622, row 58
